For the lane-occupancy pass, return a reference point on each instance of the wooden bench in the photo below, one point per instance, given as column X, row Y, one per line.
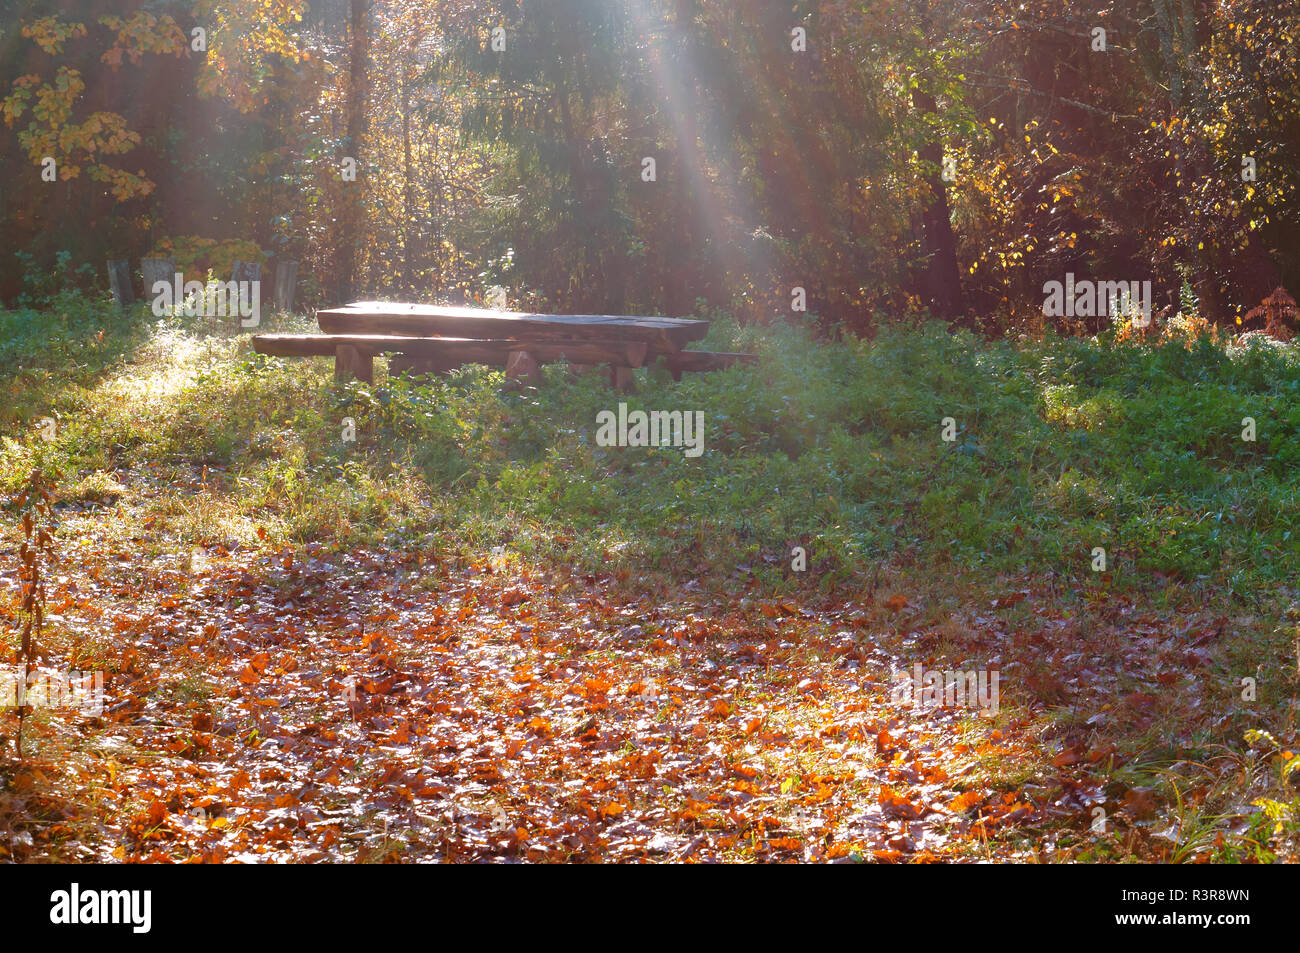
column 433, row 339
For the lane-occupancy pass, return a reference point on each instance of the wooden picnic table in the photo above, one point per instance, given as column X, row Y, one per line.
column 425, row 320
column 436, row 339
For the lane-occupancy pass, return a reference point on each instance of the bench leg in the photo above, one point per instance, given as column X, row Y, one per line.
column 673, row 367
column 401, row 364
column 520, row 365
column 622, row 379
column 352, row 362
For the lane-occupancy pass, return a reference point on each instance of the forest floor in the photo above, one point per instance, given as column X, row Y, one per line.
column 365, row 705
column 361, row 687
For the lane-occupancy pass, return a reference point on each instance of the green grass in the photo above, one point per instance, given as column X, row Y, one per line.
column 1061, row 446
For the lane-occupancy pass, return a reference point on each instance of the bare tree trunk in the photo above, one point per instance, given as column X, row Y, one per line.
column 352, row 211
column 408, row 188
column 679, row 299
column 943, row 280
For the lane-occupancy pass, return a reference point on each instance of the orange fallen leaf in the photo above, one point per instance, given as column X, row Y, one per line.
column 512, row 597
column 540, row 725
column 895, row 805
column 157, row 812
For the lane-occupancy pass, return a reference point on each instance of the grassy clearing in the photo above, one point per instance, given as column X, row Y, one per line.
column 1061, row 446
column 172, row 437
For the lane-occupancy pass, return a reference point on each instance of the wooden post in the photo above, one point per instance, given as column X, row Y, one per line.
column 669, row 363
column 119, row 281
column 154, row 270
column 520, row 365
column 343, row 357
column 286, row 280
column 352, row 362
column 402, row 364
column 622, row 379
column 364, row 365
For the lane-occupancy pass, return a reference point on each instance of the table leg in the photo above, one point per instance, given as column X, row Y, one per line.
column 673, row 366
column 352, row 362
column 520, row 365
column 622, row 379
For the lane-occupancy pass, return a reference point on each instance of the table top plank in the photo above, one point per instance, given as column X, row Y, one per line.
column 383, row 317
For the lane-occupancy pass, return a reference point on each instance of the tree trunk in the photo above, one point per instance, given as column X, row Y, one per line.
column 352, row 212
column 680, row 297
column 119, row 282
column 943, row 280
column 410, row 221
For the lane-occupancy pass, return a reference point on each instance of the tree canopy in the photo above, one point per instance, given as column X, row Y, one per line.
column 882, row 155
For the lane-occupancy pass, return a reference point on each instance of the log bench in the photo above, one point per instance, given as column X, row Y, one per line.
column 432, row 339
column 354, row 353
